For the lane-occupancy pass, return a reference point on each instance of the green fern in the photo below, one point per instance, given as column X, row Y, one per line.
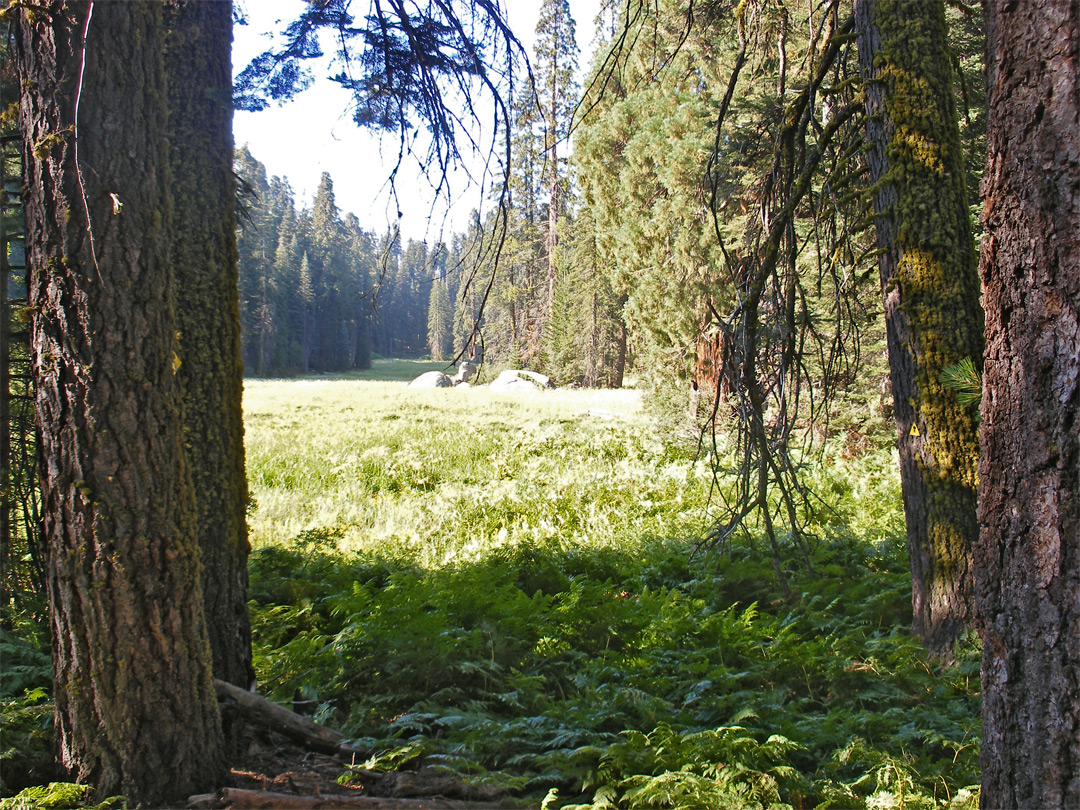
column 59, row 796
column 528, row 617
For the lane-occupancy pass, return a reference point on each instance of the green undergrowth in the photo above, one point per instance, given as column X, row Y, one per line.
column 26, row 711
column 61, row 796
column 507, row 590
column 635, row 677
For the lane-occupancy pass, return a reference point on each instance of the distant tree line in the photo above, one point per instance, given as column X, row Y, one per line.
column 320, row 293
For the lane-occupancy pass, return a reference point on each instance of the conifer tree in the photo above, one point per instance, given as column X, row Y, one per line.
column 306, row 295
column 1028, row 566
column 211, row 370
column 555, row 62
column 253, row 248
column 467, row 325
column 132, row 663
column 640, row 156
column 519, row 288
column 285, row 277
column 360, row 255
column 387, row 256
column 406, row 307
column 589, row 339
column 439, row 320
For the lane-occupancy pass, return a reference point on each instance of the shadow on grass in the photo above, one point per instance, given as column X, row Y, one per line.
column 542, row 666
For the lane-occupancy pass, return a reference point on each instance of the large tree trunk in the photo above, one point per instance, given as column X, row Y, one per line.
column 199, row 75
column 1028, row 554
column 930, row 284
column 135, row 705
column 6, row 534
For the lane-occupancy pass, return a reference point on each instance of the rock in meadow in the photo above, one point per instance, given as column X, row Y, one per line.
column 432, row 379
column 518, row 381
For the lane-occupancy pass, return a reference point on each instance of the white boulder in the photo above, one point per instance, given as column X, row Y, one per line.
column 432, row 379
column 519, row 381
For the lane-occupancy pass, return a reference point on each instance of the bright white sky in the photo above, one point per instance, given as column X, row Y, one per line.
column 315, row 133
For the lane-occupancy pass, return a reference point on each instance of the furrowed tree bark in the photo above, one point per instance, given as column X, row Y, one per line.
column 136, row 711
column 199, row 75
column 5, row 412
column 929, row 278
column 1028, row 554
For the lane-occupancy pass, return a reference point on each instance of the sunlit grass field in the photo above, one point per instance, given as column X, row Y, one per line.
column 449, row 472
column 509, row 590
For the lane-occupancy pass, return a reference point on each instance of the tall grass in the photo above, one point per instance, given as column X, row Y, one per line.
column 448, row 472
column 505, row 588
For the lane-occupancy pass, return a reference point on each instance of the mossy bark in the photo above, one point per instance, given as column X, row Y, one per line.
column 199, row 75
column 5, row 414
column 928, row 265
column 136, row 711
column 1028, row 555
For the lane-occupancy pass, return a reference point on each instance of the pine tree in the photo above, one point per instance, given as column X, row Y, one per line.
column 387, row 256
column 360, row 254
column 285, row 278
column 255, row 253
column 467, row 325
column 132, row 664
column 1028, row 568
column 439, row 320
column 329, row 268
column 306, row 297
column 555, row 55
column 518, row 290
column 646, row 227
column 205, row 260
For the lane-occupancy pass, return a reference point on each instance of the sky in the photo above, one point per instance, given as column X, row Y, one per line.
column 314, row 133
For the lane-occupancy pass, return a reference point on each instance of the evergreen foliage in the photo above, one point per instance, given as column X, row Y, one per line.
column 440, row 318
column 26, row 713
column 306, row 279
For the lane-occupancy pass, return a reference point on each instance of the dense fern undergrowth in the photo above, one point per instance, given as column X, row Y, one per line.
column 626, row 678
column 507, row 590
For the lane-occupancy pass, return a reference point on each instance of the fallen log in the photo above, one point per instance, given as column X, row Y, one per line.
column 239, row 799
column 424, row 782
column 259, row 710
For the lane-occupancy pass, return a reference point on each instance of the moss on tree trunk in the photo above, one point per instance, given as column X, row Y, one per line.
column 929, row 280
column 199, row 74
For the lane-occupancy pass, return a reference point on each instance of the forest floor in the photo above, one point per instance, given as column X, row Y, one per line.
column 274, row 772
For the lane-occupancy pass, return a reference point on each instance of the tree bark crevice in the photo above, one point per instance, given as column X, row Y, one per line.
column 1028, row 555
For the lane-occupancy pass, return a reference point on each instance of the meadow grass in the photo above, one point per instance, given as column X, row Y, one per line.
column 455, row 471
column 509, row 590
column 504, row 589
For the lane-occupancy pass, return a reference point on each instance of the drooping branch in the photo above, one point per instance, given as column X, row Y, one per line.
column 774, row 329
column 447, row 67
column 409, row 65
column 777, row 327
